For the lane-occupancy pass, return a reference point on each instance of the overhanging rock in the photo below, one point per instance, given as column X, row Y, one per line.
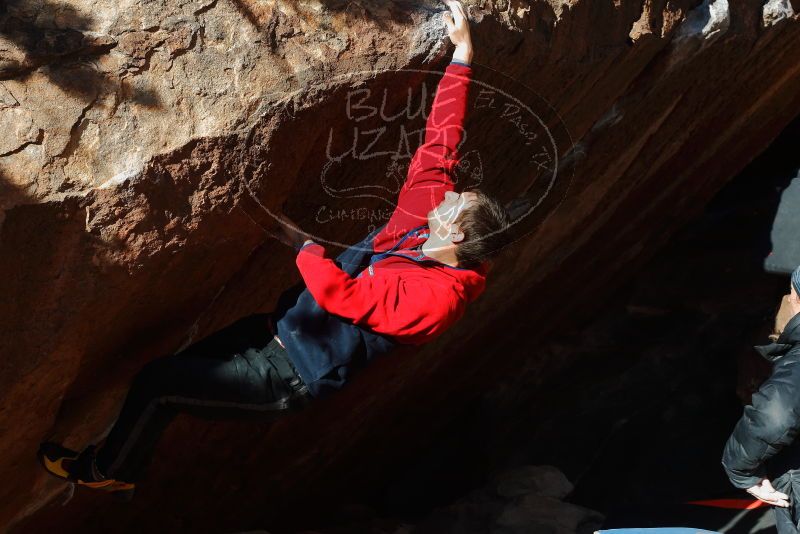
column 147, row 145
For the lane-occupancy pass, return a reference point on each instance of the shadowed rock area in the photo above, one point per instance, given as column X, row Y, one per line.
column 148, row 144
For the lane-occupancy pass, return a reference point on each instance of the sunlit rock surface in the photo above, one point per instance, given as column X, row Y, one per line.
column 147, row 144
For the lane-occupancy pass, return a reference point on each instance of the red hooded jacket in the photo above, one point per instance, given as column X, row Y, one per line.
column 406, row 295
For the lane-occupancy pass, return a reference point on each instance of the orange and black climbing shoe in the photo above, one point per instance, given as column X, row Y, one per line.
column 80, row 469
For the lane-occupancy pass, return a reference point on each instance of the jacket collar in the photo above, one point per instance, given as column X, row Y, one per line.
column 787, row 341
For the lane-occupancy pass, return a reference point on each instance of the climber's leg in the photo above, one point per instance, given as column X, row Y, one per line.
column 239, row 371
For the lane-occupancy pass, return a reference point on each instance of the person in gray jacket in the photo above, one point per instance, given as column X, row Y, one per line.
column 762, row 455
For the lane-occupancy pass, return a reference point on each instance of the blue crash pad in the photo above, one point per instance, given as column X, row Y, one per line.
column 671, row 530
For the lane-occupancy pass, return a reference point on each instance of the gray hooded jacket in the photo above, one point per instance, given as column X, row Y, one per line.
column 761, row 444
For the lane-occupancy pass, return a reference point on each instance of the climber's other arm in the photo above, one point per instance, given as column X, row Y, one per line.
column 289, row 233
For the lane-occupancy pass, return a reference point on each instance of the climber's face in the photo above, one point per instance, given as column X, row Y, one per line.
column 442, row 218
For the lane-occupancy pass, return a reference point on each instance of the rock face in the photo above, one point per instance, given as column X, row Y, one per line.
column 149, row 143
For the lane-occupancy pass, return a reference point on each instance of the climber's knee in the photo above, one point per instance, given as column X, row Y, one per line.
column 155, row 378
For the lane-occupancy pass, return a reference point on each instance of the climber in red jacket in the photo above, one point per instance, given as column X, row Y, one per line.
column 406, row 283
column 395, row 296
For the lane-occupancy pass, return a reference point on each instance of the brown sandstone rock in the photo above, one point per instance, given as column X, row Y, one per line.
column 144, row 146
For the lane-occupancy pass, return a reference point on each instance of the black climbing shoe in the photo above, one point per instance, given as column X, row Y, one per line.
column 80, row 469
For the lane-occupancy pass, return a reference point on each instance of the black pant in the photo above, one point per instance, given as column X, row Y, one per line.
column 239, row 371
column 784, row 522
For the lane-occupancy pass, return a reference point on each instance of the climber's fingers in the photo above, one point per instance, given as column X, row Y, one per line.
column 448, row 20
column 459, row 16
column 457, row 23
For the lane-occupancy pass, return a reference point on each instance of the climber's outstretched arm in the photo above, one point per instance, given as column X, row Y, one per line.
column 429, row 173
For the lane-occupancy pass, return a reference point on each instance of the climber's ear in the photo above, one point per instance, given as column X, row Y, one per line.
column 456, row 235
